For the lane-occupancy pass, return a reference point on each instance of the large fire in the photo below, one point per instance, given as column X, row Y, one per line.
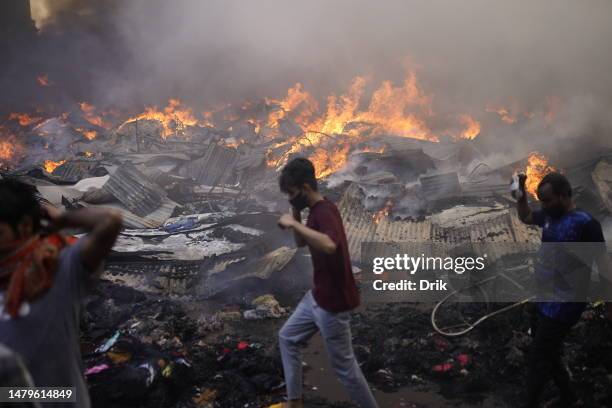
column 50, row 165
column 174, row 118
column 472, row 127
column 537, row 168
column 395, row 110
column 301, row 124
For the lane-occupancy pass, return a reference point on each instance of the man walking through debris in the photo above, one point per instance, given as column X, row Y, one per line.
column 327, row 306
column 43, row 278
column 562, row 278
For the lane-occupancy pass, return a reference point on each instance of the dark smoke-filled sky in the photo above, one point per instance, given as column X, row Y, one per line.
column 466, row 53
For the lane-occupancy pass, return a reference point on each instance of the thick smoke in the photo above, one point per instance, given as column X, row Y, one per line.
column 467, row 54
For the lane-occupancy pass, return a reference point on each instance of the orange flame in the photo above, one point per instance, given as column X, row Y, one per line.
column 10, row 149
column 329, row 160
column 24, row 119
column 89, row 113
column 50, row 165
column 398, row 110
column 89, row 134
column 297, row 101
column 537, row 168
column 383, row 212
column 472, row 127
column 6, row 150
column 174, row 117
column 504, row 114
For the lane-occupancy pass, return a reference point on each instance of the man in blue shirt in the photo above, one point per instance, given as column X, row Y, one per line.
column 572, row 240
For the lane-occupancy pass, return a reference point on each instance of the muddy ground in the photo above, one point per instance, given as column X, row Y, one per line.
column 186, row 353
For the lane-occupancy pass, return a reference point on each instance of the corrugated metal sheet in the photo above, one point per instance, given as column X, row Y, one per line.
column 358, row 223
column 261, row 268
column 72, row 171
column 440, row 185
column 215, row 167
column 155, row 219
column 171, row 277
column 497, row 235
column 135, row 191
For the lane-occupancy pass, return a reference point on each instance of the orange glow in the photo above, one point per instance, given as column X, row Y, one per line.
column 89, row 113
column 233, row 144
column 369, row 149
column 472, row 127
column 43, row 80
column 329, row 160
column 10, row 149
column 174, row 118
column 537, row 168
column 7, row 150
column 397, row 110
column 88, row 154
column 383, row 212
column 298, row 101
column 89, row 134
column 504, row 114
column 50, row 165
column 24, row 119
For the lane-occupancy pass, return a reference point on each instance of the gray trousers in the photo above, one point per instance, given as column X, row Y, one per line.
column 335, row 329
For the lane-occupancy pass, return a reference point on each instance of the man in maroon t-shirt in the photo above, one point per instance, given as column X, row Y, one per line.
column 327, row 306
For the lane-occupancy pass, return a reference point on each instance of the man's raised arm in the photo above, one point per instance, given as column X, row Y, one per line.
column 522, row 207
column 102, row 224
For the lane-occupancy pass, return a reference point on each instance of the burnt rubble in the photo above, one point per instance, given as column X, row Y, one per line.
column 188, row 308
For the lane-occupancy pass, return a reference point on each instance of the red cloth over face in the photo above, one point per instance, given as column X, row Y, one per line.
column 334, row 285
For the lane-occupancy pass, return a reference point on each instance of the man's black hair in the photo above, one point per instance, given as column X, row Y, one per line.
column 296, row 173
column 559, row 183
column 18, row 200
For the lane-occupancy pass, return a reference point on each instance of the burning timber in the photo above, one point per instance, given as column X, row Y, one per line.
column 200, row 277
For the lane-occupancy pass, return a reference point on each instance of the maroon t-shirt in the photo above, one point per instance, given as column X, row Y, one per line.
column 334, row 285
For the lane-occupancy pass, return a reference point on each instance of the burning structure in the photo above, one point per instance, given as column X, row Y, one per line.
column 196, row 181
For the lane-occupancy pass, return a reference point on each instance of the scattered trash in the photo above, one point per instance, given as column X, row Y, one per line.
column 119, row 357
column 266, row 306
column 442, row 368
column 96, row 369
column 109, row 343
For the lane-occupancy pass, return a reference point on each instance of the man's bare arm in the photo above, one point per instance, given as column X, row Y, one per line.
column 103, row 226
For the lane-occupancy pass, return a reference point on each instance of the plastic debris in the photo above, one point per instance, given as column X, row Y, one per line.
column 96, row 369
column 109, row 343
column 266, row 306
